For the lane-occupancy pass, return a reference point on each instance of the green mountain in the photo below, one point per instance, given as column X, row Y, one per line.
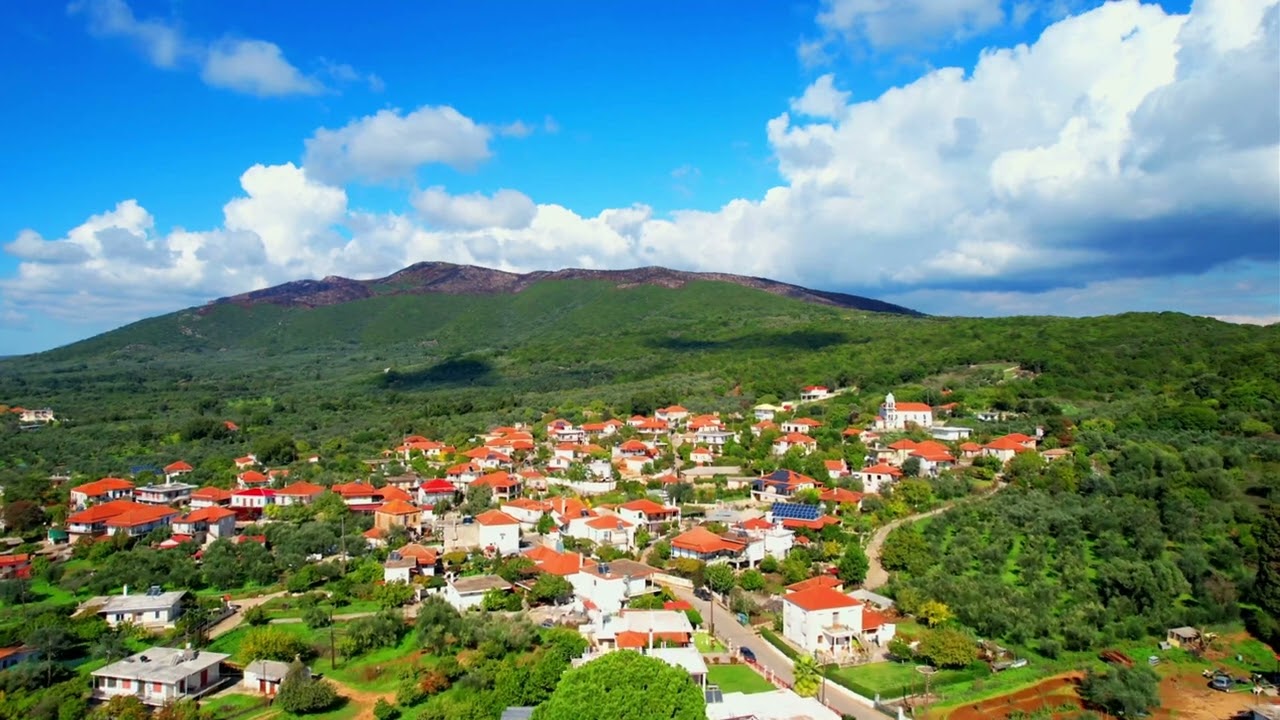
column 447, row 350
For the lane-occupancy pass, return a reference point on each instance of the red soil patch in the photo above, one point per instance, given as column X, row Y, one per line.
column 1052, row 693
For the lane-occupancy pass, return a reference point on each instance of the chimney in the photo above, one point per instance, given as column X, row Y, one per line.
column 126, row 591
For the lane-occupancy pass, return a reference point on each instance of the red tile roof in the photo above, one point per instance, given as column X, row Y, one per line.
column 390, row 493
column 756, row 523
column 1005, row 443
column 821, row 581
column 102, row 512
column 208, row 514
column 437, row 486
column 609, row 522
column 302, row 488
column 913, row 407
column 647, row 506
column 398, row 507
column 840, row 496
column 103, row 486
column 882, row 469
column 496, row 517
column 177, row 467
column 252, row 477
column 564, row 564
column 702, row 541
column 820, row 598
column 254, row 492
column 851, row 432
column 798, row 439
column 424, row 555
column 677, row 605
column 872, row 619
column 630, row 639
column 212, row 494
column 355, row 489
column 142, row 515
column 498, row 480
column 903, row 444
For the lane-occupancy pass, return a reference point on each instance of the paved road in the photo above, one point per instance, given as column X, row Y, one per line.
column 737, row 636
column 231, row 623
column 876, row 574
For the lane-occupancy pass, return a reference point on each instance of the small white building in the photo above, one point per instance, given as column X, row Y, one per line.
column 773, row 705
column 878, row 477
column 950, row 433
column 499, row 531
column 465, row 593
column 160, row 675
column 154, row 609
column 264, row 676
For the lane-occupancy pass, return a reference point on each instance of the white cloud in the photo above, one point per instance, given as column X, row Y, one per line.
column 504, row 209
column 1125, row 160
column 896, row 23
column 246, row 65
column 519, row 129
column 821, row 99
column 255, row 67
column 389, row 146
column 162, row 42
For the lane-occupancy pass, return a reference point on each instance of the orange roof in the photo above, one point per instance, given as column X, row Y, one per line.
column 851, row 432
column 765, row 425
column 652, row 424
column 872, row 619
column 820, row 598
column 302, row 488
column 141, row 515
column 757, row 523
column 840, row 496
column 808, row 422
column 673, row 409
column 1019, row 437
column 567, row 506
column 835, row 464
column 632, row 640
column 609, row 522
column 496, row 517
column 700, row 451
column 397, row 507
column 538, row 553
column 914, row 407
column 934, row 455
column 424, row 555
column 703, row 541
column 437, row 486
column 798, row 439
column 178, row 466
column 212, row 494
column 103, row 486
column 1005, row 443
column 821, row 581
column 971, row 447
column 903, row 444
column 246, row 460
column 882, row 469
column 462, row 469
column 818, row 524
column 373, row 533
column 208, row 514
column 524, row 503
column 102, row 512
column 390, row 493
column 647, row 506
column 633, row 445
column 355, row 489
column 252, row 476
column 563, row 564
column 497, row 480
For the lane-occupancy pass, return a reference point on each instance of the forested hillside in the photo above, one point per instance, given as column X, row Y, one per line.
column 345, row 377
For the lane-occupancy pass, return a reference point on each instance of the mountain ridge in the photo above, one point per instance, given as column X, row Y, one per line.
column 451, row 279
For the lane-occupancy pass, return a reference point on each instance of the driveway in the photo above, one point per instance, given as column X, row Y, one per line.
column 231, row 623
column 736, row 636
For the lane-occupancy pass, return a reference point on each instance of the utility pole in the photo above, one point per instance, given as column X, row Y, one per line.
column 333, row 654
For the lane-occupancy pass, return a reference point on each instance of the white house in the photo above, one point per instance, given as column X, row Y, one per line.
column 526, row 510
column 802, row 426
column 43, row 415
column 766, row 411
column 772, row 705
column 606, row 587
column 899, row 416
column 794, row 440
column 824, row 620
column 160, row 675
column 465, row 593
column 602, row 530
column 155, row 609
column 715, row 438
column 950, row 433
column 879, row 476
column 100, row 491
column 264, row 676
column 253, row 498
column 814, row 393
column 499, row 531
column 209, row 523
column 650, row 514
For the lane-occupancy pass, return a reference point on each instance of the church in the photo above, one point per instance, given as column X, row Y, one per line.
column 899, row 416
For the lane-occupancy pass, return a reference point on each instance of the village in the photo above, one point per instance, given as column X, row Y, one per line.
column 754, row 572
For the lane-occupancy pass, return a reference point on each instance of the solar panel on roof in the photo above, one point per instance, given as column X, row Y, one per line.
column 713, row 694
column 796, row 511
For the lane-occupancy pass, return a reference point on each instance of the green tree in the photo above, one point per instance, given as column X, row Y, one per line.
column 906, row 549
column 23, row 516
column 947, row 648
column 269, row 642
column 853, row 565
column 1126, row 691
column 121, row 707
column 185, row 709
column 624, row 685
column 720, row 578
column 546, row 524
column 550, row 589
column 393, row 594
column 1266, row 586
column 808, row 676
column 479, row 498
column 751, row 580
column 499, row 599
column 934, row 613
column 301, row 694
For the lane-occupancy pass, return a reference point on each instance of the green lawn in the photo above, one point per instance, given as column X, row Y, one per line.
column 737, row 678
column 374, row 672
column 230, row 643
column 288, row 607
column 707, row 644
column 890, row 679
column 235, row 705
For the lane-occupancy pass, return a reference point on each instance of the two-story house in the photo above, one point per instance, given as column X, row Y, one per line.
column 206, row 524
column 650, row 514
column 100, row 491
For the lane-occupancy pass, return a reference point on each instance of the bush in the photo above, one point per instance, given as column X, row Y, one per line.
column 301, row 694
column 316, row 617
column 779, row 643
column 272, row 643
column 256, row 616
column 383, row 710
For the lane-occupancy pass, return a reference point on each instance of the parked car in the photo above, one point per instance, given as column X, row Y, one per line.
column 702, row 594
column 1221, row 682
column 748, row 654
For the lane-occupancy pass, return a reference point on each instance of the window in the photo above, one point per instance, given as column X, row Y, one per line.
column 127, row 683
column 157, row 687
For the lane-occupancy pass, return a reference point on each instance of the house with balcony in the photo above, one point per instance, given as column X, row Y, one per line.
column 141, row 520
column 785, row 443
column 170, row 492
column 177, row 469
column 298, row 493
column 814, row 393
column 101, row 491
column 700, row 543
column 206, row 524
column 877, row 477
column 210, row 497
column 820, row 619
column 161, row 675
column 253, row 498
column 650, row 514
column 782, row 483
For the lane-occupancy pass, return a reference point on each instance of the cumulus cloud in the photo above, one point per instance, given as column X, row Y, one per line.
column 389, row 146
column 1095, row 170
column 245, row 65
column 255, row 67
column 897, row 23
column 509, row 209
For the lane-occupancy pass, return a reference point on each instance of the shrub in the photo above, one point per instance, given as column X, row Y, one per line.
column 256, row 615
column 383, row 710
column 301, row 694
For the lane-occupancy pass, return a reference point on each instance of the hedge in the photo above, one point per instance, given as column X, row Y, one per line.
column 779, row 643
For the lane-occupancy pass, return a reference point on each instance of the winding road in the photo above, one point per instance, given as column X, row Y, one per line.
column 877, row 576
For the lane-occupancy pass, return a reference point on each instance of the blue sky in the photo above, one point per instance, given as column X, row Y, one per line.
column 983, row 157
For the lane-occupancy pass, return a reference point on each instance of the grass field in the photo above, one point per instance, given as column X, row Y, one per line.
column 230, row 643
column 288, row 607
column 737, row 678
column 374, row 672
column 707, row 644
column 238, row 706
